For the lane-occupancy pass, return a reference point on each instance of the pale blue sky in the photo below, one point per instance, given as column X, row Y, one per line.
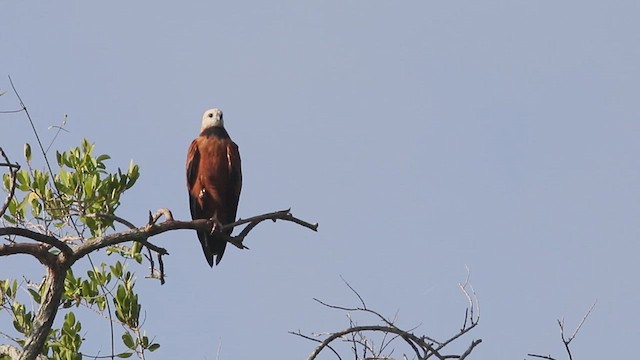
column 423, row 136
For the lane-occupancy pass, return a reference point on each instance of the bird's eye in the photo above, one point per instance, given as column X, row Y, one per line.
column 210, row 114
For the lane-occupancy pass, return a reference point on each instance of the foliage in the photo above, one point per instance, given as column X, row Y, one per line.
column 74, row 204
column 81, row 189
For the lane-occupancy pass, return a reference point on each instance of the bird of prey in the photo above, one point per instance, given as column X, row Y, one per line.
column 214, row 181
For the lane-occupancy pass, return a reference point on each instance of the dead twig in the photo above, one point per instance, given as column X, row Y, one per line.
column 422, row 346
column 548, row 357
column 575, row 332
column 566, row 341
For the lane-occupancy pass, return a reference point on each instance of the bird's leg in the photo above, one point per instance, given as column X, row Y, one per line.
column 216, row 223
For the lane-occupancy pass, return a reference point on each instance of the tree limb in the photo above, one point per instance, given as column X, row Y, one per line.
column 381, row 328
column 566, row 341
column 58, row 264
column 36, row 236
column 424, row 347
column 153, row 229
column 39, row 251
column 54, row 283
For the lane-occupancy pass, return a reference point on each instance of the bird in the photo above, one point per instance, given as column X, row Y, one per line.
column 214, row 181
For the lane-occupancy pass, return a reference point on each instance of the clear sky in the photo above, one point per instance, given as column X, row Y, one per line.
column 423, row 136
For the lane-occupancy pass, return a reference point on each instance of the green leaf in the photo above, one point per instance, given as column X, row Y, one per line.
column 124, row 355
column 35, row 295
column 136, row 248
column 127, row 339
column 27, row 152
column 117, row 269
column 154, row 347
column 69, row 319
column 22, row 180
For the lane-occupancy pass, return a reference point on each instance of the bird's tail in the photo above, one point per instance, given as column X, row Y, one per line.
column 213, row 245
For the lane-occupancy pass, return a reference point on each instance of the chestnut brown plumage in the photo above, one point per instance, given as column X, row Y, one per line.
column 214, row 181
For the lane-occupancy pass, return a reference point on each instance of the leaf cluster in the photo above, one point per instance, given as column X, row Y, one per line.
column 82, row 188
column 74, row 204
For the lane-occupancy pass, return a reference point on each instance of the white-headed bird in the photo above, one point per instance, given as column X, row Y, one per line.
column 214, row 181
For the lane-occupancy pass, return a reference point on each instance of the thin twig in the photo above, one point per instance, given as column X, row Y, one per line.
column 276, row 215
column 60, row 128
column 565, row 341
column 354, row 291
column 582, row 322
column 474, row 343
column 24, row 107
column 112, row 217
column 548, row 357
column 298, row 333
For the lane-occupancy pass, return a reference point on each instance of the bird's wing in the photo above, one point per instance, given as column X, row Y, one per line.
column 235, row 172
column 193, row 161
column 194, row 188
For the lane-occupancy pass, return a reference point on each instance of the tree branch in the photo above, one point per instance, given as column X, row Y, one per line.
column 58, row 264
column 423, row 346
column 54, row 283
column 153, row 229
column 381, row 328
column 39, row 251
column 566, row 341
column 36, row 236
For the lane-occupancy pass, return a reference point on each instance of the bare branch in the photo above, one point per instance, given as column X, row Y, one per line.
column 354, row 291
column 43, row 238
column 566, row 341
column 474, row 343
column 153, row 228
column 409, row 337
column 24, row 107
column 548, row 357
column 113, row 217
column 11, row 111
column 582, row 322
column 160, row 213
column 423, row 346
column 276, row 215
column 39, row 251
column 298, row 333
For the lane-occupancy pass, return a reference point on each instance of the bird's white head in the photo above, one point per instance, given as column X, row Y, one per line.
column 212, row 118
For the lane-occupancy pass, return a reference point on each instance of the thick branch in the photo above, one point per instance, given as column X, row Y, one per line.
column 39, row 251
column 43, row 238
column 387, row 329
column 57, row 265
column 153, row 229
column 41, row 325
